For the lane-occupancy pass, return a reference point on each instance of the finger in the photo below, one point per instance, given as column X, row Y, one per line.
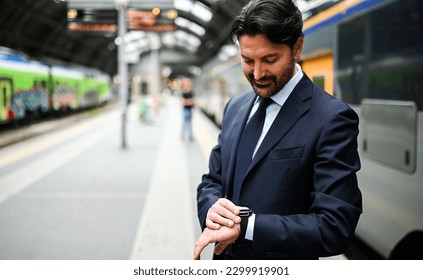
column 219, row 218
column 224, row 212
column 229, row 205
column 197, row 253
column 210, row 224
column 199, row 247
column 203, row 240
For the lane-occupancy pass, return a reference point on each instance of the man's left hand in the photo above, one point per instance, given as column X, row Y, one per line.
column 224, row 236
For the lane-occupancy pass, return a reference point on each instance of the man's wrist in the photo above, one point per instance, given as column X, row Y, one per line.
column 245, row 214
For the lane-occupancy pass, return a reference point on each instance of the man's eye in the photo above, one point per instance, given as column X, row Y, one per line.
column 270, row 61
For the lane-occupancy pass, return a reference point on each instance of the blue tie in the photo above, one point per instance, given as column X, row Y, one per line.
column 247, row 144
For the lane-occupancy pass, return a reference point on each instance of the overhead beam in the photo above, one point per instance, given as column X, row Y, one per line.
column 110, row 4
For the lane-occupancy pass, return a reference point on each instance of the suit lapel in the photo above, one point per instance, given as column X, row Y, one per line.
column 239, row 122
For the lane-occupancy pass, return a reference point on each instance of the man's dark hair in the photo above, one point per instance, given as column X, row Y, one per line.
column 279, row 20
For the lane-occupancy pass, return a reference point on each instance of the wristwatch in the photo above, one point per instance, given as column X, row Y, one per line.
column 244, row 214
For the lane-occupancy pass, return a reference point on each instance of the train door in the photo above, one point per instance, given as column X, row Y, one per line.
column 5, row 98
column 320, row 71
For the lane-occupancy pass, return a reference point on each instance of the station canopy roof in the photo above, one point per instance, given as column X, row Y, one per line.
column 188, row 33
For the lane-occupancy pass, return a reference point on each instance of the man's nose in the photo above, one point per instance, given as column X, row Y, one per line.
column 259, row 71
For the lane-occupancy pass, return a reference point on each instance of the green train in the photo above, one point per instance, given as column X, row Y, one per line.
column 30, row 89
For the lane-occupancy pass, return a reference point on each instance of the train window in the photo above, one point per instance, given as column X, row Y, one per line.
column 351, row 48
column 383, row 121
column 380, row 54
column 350, row 57
column 397, row 29
column 144, row 88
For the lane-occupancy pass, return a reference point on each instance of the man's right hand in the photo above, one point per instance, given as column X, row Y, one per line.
column 222, row 213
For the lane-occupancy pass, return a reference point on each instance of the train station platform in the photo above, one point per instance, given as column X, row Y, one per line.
column 69, row 191
column 72, row 192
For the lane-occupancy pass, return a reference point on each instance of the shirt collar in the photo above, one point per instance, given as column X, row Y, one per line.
column 284, row 93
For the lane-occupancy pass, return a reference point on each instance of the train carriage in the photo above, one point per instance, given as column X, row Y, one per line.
column 30, row 88
column 23, row 86
column 379, row 70
column 65, row 88
column 368, row 53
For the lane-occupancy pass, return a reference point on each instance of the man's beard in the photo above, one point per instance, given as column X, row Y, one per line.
column 270, row 85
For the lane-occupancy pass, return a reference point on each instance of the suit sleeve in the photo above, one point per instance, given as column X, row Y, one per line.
column 329, row 226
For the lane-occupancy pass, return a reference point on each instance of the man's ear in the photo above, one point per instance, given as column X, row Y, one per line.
column 298, row 47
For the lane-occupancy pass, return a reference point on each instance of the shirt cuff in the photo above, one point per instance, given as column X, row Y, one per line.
column 249, row 234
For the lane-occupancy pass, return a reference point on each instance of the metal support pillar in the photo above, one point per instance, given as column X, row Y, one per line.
column 122, row 67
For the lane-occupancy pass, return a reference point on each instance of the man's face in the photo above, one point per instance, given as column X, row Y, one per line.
column 267, row 66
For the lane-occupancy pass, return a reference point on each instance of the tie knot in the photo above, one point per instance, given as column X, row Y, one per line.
column 264, row 103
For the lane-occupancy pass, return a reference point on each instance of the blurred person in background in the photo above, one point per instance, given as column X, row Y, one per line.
column 187, row 102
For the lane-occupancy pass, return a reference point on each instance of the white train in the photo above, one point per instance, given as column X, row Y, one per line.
column 368, row 53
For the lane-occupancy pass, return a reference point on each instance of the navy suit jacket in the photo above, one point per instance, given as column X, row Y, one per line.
column 302, row 182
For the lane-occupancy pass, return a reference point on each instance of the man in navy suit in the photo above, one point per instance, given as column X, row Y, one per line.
column 300, row 187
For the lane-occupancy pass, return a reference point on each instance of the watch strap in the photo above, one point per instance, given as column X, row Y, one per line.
column 245, row 213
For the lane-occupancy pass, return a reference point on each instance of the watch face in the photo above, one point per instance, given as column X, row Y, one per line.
column 245, row 212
